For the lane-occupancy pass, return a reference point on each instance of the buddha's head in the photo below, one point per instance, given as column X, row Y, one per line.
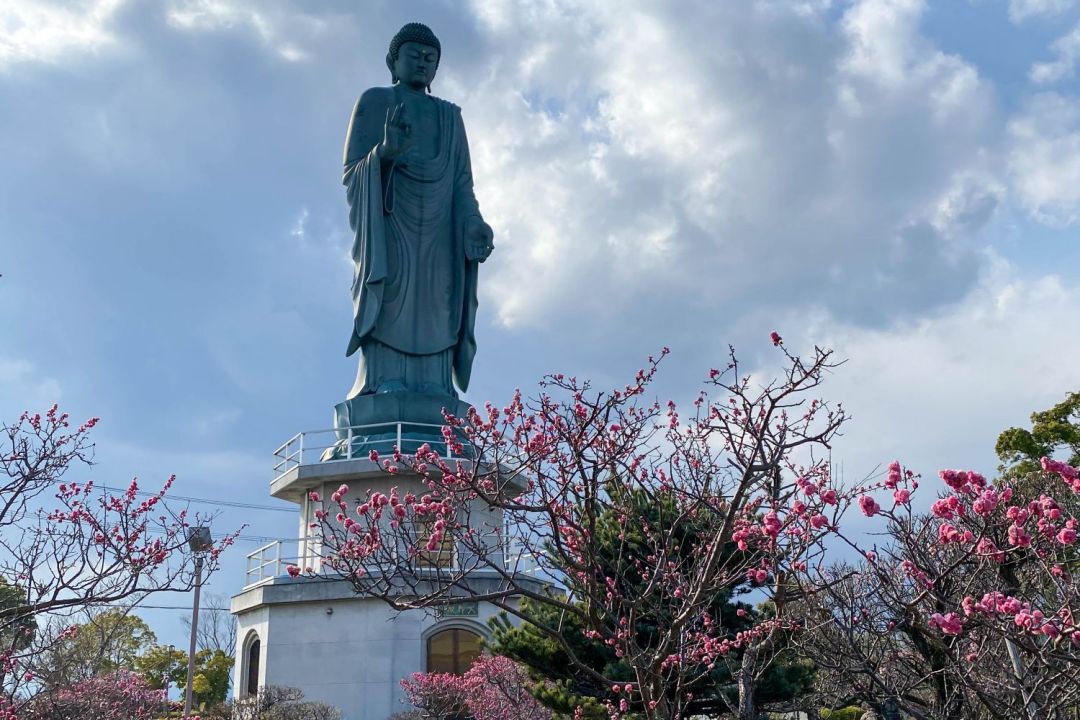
column 414, row 56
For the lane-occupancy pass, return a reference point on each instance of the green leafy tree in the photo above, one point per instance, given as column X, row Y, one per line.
column 17, row 627
column 111, row 640
column 1051, row 431
column 620, row 545
column 213, row 672
column 162, row 665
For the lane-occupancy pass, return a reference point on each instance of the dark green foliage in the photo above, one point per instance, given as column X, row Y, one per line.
column 848, row 713
column 545, row 659
column 619, row 547
column 788, row 677
column 17, row 626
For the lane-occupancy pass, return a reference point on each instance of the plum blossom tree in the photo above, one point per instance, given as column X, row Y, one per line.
column 968, row 611
column 493, row 688
column 746, row 467
column 434, row 696
column 568, row 690
column 69, row 547
column 121, row 694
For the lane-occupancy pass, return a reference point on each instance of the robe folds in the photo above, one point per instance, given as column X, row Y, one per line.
column 413, row 288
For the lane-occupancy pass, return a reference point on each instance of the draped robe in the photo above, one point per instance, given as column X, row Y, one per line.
column 413, row 290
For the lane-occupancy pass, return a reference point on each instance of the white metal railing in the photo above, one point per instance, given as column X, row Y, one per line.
column 357, row 441
column 273, row 559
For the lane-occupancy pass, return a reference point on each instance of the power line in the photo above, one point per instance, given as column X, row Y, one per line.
column 210, row 501
column 245, row 538
column 138, row 606
column 262, row 538
column 204, row 501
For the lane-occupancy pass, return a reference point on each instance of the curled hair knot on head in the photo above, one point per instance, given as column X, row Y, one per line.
column 412, row 32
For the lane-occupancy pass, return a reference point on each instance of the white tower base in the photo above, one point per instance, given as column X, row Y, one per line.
column 314, row 632
column 350, row 652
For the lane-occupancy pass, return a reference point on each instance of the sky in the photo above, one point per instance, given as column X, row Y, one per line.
column 898, row 180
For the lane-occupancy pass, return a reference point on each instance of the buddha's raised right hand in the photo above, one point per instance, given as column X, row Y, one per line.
column 396, row 134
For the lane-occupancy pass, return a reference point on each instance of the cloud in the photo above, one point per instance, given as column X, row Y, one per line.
column 936, row 392
column 1020, row 10
column 1045, row 158
column 216, row 421
column 275, row 26
column 968, row 205
column 48, row 31
column 625, row 161
column 688, row 173
column 1063, row 67
column 203, row 470
column 299, row 230
column 25, row 388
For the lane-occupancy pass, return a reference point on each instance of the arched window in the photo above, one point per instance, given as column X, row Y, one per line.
column 252, row 654
column 452, row 651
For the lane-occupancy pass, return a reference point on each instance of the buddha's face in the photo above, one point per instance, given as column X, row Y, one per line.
column 415, row 65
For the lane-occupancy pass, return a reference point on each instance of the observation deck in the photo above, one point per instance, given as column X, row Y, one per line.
column 321, row 460
column 310, row 458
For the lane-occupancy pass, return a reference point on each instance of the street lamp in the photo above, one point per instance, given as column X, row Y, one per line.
column 199, row 542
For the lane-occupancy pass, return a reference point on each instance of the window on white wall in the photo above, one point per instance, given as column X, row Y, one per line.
column 452, row 651
column 252, row 656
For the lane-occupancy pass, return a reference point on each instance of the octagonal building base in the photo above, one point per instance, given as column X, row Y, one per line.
column 315, row 633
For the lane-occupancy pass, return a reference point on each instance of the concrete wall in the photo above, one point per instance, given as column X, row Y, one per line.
column 317, row 635
column 487, row 520
column 254, row 623
column 351, row 653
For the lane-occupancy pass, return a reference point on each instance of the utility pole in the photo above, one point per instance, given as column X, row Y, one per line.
column 199, row 542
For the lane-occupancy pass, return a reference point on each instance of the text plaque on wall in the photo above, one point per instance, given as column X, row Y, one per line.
column 465, row 609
